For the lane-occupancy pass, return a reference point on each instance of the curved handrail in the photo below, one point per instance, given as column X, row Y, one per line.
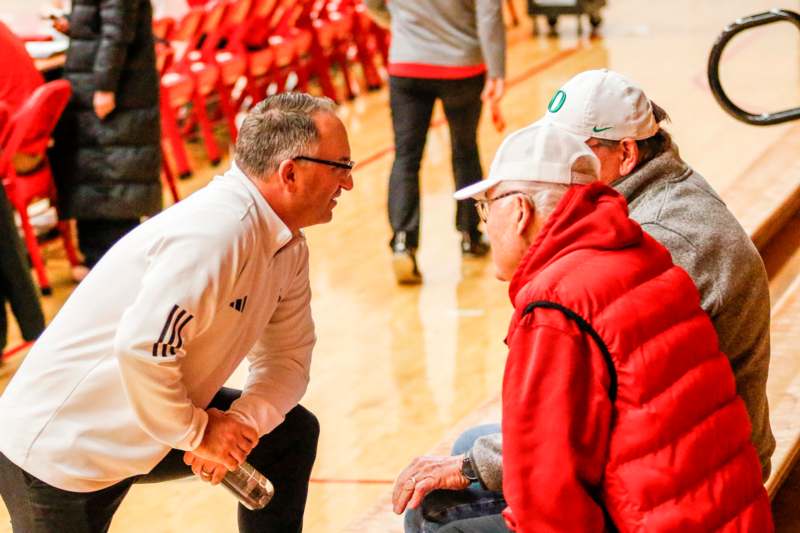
column 738, row 26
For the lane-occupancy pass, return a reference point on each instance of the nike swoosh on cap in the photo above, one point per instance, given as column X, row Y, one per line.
column 598, row 130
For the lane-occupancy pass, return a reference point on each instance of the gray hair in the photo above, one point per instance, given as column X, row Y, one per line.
column 544, row 196
column 278, row 128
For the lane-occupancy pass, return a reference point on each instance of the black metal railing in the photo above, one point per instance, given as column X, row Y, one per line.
column 738, row 26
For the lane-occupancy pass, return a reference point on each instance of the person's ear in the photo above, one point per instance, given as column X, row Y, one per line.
column 630, row 156
column 525, row 215
column 287, row 175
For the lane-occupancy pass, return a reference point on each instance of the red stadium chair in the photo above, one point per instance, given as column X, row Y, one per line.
column 204, row 74
column 31, row 128
column 185, row 88
column 288, row 33
column 218, row 49
column 162, row 28
column 333, row 33
column 176, row 93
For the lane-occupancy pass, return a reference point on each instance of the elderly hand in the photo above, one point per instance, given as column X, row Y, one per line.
column 226, row 442
column 104, row 103
column 424, row 475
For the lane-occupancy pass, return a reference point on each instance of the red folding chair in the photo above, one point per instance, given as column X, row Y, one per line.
column 245, row 42
column 372, row 41
column 205, row 76
column 218, row 48
column 333, row 36
column 31, row 128
column 288, row 34
column 371, row 38
column 175, row 93
column 162, row 28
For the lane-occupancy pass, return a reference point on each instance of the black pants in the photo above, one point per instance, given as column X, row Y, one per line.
column 97, row 236
column 483, row 524
column 412, row 102
column 285, row 456
column 16, row 285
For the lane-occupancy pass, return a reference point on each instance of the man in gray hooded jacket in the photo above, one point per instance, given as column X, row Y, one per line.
column 676, row 206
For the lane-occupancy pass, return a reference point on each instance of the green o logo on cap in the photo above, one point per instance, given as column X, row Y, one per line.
column 557, row 101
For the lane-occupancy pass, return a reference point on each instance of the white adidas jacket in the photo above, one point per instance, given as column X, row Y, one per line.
column 124, row 371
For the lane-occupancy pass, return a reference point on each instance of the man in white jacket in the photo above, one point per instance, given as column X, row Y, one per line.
column 125, row 385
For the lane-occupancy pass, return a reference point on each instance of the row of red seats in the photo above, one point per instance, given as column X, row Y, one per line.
column 235, row 51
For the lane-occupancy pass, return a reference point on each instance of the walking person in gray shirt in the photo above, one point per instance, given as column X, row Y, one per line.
column 454, row 51
column 677, row 207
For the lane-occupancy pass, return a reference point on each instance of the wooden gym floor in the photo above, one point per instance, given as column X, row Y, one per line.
column 399, row 370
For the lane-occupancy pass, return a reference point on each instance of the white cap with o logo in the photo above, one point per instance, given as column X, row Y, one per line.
column 602, row 104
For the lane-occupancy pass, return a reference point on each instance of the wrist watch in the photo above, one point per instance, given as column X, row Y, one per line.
column 468, row 469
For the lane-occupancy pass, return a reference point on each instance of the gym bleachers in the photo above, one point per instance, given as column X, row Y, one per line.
column 767, row 192
column 783, row 387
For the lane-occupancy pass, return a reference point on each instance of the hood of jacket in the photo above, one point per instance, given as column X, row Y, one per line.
column 588, row 217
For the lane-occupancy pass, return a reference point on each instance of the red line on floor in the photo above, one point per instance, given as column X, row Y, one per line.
column 535, row 69
column 15, row 349
column 544, row 65
column 374, row 157
column 354, row 481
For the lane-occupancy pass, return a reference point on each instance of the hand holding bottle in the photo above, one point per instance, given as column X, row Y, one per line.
column 225, row 445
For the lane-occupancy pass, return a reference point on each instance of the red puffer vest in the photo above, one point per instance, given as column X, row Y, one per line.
column 679, row 456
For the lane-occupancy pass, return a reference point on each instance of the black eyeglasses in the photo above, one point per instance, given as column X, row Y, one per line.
column 344, row 165
column 483, row 205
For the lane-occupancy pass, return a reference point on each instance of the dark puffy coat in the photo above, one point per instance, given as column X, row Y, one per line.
column 109, row 169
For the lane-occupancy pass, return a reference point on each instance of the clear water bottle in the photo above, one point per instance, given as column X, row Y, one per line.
column 250, row 486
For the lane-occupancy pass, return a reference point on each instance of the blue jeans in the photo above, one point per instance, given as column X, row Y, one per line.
column 441, row 507
column 482, row 524
column 284, row 455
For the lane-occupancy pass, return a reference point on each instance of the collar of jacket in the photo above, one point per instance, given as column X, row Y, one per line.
column 587, row 217
column 666, row 167
column 277, row 233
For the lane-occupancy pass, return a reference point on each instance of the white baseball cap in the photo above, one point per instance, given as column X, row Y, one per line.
column 540, row 152
column 602, row 104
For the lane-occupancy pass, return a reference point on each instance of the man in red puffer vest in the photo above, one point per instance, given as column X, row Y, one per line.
column 619, row 410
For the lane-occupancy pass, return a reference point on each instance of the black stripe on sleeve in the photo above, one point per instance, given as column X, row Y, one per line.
column 164, row 331
column 180, row 330
column 174, row 329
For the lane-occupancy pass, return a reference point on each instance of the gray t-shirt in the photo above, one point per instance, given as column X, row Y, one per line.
column 678, row 208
